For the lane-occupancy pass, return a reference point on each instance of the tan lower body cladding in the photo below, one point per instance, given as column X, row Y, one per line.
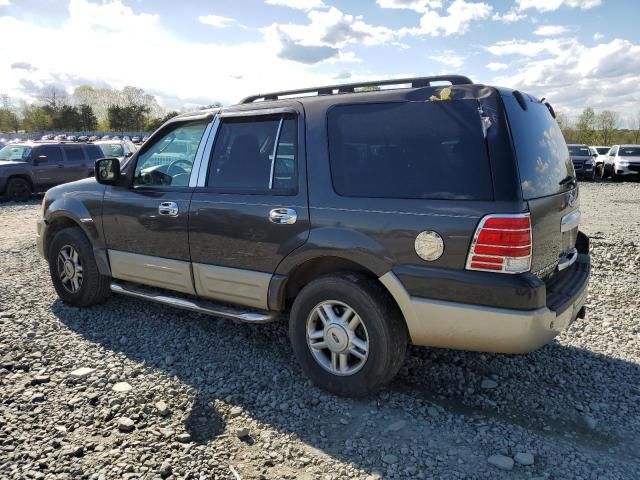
column 233, row 285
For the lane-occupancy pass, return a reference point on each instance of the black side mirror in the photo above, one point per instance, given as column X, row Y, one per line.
column 107, row 171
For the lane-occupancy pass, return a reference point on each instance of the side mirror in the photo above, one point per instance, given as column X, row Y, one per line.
column 594, row 155
column 107, row 171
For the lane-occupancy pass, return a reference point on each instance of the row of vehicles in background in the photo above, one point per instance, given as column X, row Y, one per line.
column 34, row 166
column 135, row 139
column 616, row 162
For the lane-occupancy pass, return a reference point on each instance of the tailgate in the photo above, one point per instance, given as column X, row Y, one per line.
column 554, row 223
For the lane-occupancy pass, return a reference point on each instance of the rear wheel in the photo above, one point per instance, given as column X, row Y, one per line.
column 74, row 271
column 19, row 190
column 347, row 334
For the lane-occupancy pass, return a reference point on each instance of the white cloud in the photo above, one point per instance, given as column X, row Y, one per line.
column 219, row 21
column 598, row 36
column 5, row 3
column 298, row 4
column 511, row 16
column 235, row 71
column 496, row 66
column 415, row 5
column 449, row 58
column 573, row 75
column 550, row 30
column 551, row 5
column 326, row 33
column 457, row 19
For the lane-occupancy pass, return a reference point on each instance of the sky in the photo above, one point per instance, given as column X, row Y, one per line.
column 576, row 53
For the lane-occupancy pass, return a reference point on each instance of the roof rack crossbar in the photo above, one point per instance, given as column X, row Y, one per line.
column 416, row 82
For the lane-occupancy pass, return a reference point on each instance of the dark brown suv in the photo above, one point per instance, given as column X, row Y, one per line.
column 443, row 216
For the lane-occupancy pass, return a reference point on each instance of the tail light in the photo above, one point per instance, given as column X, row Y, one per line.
column 501, row 243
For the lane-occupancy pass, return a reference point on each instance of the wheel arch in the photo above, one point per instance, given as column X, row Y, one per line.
column 23, row 176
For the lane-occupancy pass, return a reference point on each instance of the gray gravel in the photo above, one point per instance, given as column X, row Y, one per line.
column 210, row 398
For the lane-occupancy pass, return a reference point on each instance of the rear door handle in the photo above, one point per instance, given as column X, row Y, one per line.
column 169, row 209
column 283, row 216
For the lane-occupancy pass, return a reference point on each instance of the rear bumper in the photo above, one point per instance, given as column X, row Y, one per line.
column 438, row 323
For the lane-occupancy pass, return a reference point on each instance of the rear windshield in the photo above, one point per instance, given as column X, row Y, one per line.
column 542, row 154
column 112, row 149
column 423, row 150
column 578, row 151
column 629, row 152
column 602, row 150
column 93, row 152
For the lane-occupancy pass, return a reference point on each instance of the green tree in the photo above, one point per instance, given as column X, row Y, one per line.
column 586, row 127
column 607, row 123
column 88, row 120
column 155, row 123
column 9, row 121
column 36, row 119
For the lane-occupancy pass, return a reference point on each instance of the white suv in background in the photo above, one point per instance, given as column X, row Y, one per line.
column 622, row 161
column 599, row 155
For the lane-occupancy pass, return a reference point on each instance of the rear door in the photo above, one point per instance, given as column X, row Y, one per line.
column 547, row 181
column 250, row 208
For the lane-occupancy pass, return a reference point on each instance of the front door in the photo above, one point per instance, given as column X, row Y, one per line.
column 250, row 207
column 48, row 166
column 146, row 222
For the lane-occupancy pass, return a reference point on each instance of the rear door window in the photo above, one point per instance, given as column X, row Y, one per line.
column 542, row 154
column 74, row 154
column 49, row 154
column 422, row 150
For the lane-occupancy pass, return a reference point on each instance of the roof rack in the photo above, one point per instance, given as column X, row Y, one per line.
column 415, row 82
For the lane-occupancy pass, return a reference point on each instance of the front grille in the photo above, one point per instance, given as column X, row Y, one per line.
column 634, row 168
column 577, row 165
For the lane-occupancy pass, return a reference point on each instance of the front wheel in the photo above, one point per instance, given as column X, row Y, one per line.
column 347, row 334
column 74, row 271
column 19, row 190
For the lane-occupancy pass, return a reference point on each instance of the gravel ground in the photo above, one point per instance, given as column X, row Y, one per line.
column 133, row 390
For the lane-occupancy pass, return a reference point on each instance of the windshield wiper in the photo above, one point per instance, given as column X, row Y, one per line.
column 569, row 179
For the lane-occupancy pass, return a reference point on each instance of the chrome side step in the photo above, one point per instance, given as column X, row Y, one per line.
column 199, row 306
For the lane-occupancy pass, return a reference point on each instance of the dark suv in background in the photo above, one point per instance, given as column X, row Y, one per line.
column 441, row 216
column 583, row 161
column 32, row 167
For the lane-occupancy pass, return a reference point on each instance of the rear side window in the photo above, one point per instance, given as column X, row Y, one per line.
column 255, row 155
column 542, row 154
column 423, row 150
column 74, row 154
column 49, row 154
column 93, row 152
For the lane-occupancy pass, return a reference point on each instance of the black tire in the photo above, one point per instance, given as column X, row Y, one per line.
column 597, row 173
column 385, row 328
column 614, row 176
column 93, row 287
column 19, row 190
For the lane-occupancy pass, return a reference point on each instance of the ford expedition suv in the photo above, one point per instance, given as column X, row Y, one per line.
column 444, row 216
column 32, row 167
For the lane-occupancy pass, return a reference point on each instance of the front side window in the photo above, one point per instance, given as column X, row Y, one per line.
column 421, row 150
column 255, row 155
column 49, row 154
column 630, row 151
column 168, row 161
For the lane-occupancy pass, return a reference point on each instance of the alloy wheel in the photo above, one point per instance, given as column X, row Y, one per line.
column 69, row 269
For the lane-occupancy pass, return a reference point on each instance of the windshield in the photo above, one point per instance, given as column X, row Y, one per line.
column 112, row 149
column 577, row 151
column 602, row 150
column 15, row 153
column 629, row 152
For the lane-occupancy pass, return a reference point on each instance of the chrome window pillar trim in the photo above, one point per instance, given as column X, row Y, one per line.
column 197, row 161
column 258, row 111
column 201, row 179
column 275, row 151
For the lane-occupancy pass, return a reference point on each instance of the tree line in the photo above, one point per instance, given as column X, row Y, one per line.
column 86, row 109
column 599, row 128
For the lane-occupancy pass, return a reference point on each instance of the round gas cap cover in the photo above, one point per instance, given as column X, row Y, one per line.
column 429, row 246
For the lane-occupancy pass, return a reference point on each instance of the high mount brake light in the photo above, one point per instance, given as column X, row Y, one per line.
column 501, row 243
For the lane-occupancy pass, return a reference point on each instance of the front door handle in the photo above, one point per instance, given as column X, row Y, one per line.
column 168, row 208
column 283, row 216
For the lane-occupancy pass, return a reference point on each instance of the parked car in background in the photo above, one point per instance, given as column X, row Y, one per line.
column 583, row 162
column 47, row 137
column 60, row 137
column 623, row 161
column 119, row 149
column 369, row 220
column 116, row 137
column 29, row 167
column 72, row 138
column 599, row 155
column 145, row 138
column 94, row 138
column 136, row 139
column 106, row 137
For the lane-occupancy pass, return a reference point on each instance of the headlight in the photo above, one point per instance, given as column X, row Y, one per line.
column 623, row 163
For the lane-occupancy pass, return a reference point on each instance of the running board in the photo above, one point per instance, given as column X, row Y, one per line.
column 199, row 306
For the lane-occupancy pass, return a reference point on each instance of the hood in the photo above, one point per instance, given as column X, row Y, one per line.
column 629, row 159
column 8, row 163
column 580, row 158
